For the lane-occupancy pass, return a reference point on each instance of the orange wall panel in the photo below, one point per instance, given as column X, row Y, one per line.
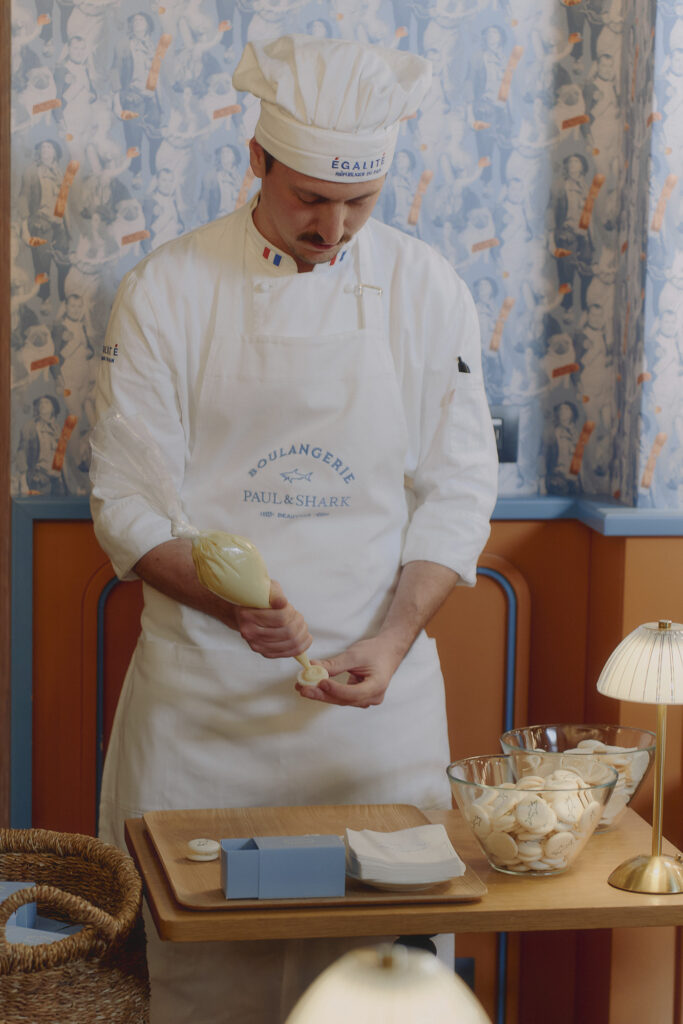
column 554, row 557
column 66, row 555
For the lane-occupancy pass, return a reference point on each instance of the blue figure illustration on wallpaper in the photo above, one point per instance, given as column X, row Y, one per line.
column 76, row 91
column 650, row 445
column 92, row 22
column 666, row 366
column 399, row 191
column 490, row 108
column 515, row 225
column 196, row 56
column 671, row 102
column 272, row 18
column 32, row 358
column 594, row 346
column 24, row 288
column 573, row 238
column 180, row 153
column 561, row 476
column 75, row 370
column 161, row 209
column 102, row 186
column 37, row 449
column 672, row 466
column 603, row 103
column 453, row 194
column 34, row 91
column 486, row 291
column 138, row 107
column 44, row 231
column 219, row 99
column 221, row 186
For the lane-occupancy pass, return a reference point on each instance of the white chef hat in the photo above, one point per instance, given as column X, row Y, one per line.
column 330, row 108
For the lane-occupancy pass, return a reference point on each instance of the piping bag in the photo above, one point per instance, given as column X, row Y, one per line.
column 127, row 460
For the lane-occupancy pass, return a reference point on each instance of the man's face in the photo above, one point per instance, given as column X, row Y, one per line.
column 308, row 218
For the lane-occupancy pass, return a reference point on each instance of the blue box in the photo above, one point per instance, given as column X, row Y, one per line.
column 283, row 867
column 25, row 916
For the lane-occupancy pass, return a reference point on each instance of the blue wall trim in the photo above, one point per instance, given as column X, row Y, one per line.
column 510, row 644
column 99, row 725
column 601, row 514
column 508, row 723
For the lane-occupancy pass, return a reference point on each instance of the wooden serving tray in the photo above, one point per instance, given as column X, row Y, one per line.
column 197, row 884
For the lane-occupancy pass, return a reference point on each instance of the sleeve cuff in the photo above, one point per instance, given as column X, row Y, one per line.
column 127, row 530
column 457, row 547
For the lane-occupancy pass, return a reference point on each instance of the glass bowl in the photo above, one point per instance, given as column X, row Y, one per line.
column 525, row 823
column 629, row 750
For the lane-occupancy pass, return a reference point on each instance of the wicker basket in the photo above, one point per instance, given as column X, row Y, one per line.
column 98, row 974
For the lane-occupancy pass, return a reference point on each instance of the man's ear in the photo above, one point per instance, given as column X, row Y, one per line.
column 257, row 158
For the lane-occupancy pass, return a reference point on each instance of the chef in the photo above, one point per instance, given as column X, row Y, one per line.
column 313, row 379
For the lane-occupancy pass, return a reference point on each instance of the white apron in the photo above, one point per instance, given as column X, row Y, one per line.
column 299, row 445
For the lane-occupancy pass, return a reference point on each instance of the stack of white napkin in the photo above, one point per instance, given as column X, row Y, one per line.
column 410, row 856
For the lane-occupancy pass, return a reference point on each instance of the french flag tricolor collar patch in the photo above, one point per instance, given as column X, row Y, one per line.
column 272, row 256
column 339, row 257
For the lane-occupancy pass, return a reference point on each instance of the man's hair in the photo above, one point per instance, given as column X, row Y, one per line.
column 269, row 158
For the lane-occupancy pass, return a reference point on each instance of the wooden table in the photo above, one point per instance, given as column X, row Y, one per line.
column 581, row 898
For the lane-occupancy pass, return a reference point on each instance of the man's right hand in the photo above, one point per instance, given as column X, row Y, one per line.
column 276, row 632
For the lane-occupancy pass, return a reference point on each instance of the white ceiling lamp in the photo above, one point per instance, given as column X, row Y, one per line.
column 388, row 985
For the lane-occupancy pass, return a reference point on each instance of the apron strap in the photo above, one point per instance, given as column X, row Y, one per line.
column 370, row 294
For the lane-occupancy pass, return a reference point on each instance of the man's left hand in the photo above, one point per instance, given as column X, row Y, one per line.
column 370, row 664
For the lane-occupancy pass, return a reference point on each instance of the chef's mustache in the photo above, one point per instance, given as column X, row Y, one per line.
column 319, row 240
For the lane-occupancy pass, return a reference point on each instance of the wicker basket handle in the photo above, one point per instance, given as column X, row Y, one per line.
column 100, row 929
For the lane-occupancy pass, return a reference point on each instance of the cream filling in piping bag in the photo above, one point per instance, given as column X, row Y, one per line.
column 231, row 567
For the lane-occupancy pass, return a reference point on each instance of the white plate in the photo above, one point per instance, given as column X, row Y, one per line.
column 397, row 886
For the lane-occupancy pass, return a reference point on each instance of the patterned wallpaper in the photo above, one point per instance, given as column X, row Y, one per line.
column 544, row 164
column 659, row 432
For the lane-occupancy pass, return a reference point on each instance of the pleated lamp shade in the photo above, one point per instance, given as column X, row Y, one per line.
column 388, row 985
column 647, row 666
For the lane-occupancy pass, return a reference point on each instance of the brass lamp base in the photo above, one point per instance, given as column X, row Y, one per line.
column 661, row 875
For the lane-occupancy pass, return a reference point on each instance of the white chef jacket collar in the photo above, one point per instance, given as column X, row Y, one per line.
column 272, row 260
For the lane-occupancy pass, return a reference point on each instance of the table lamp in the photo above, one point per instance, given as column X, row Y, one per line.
column 388, row 985
column 647, row 667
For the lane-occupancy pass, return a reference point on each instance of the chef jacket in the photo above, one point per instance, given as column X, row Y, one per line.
column 156, row 349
